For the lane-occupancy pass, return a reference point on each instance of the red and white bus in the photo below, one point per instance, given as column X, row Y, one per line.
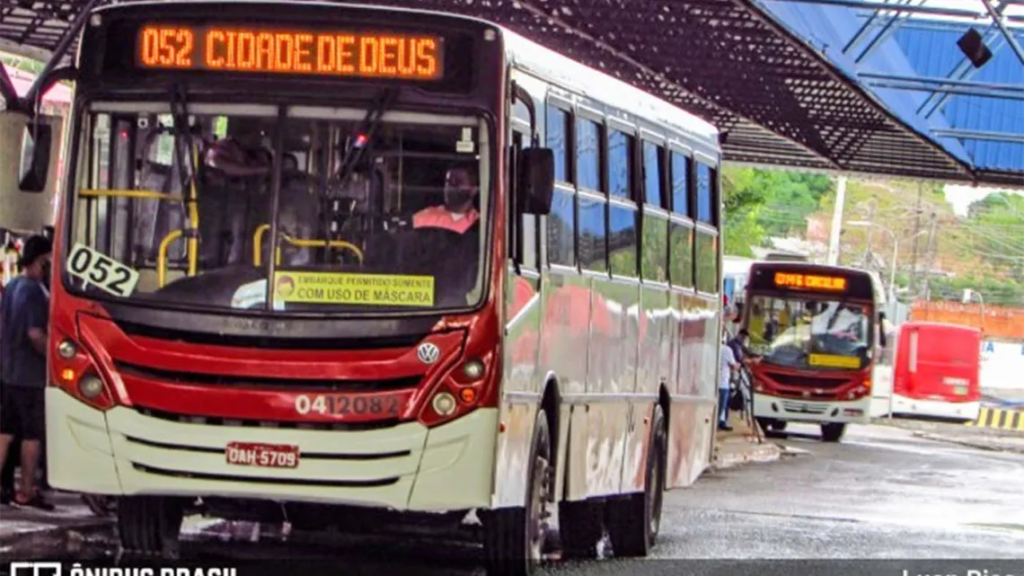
column 936, row 372
column 818, row 331
column 272, row 336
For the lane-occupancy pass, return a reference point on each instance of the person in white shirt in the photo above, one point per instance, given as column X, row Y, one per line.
column 727, row 363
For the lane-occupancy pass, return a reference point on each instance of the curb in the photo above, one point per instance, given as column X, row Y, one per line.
column 759, row 453
column 979, row 444
column 51, row 541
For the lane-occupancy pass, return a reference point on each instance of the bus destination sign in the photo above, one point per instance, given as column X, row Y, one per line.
column 274, row 51
column 795, row 281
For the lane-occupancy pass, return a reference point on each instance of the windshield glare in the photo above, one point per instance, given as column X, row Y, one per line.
column 810, row 333
column 373, row 219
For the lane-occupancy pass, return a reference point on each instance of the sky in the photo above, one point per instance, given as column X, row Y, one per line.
column 960, row 197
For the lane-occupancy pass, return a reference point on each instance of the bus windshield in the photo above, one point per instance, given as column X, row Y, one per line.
column 810, row 333
column 185, row 208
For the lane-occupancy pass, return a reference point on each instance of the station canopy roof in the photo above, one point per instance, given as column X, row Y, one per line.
column 777, row 100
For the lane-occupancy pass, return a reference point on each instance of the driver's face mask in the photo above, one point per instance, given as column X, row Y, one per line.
column 458, row 191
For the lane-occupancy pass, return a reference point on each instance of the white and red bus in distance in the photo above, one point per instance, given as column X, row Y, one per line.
column 936, row 373
column 816, row 328
column 250, row 321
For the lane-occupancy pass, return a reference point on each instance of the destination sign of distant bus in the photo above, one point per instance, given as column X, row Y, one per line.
column 810, row 282
column 231, row 48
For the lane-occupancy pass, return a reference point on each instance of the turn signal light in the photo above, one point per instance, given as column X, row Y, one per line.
column 468, row 395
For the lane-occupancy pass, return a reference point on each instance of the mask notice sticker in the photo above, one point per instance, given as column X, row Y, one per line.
column 99, row 270
column 359, row 289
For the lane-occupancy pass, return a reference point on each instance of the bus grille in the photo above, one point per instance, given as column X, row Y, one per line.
column 264, row 383
column 282, row 424
column 808, row 381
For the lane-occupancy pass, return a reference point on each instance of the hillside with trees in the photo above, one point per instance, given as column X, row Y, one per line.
column 983, row 250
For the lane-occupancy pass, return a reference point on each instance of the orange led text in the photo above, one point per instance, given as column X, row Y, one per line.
column 810, row 282
column 274, row 51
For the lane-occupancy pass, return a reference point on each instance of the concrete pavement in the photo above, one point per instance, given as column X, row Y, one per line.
column 28, row 534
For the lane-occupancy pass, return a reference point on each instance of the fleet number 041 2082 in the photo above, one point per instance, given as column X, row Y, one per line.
column 346, row 404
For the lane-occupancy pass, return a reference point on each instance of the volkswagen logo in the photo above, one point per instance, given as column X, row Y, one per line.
column 428, row 353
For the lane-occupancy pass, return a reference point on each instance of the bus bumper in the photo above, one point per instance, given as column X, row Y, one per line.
column 791, row 410
column 407, row 467
column 961, row 411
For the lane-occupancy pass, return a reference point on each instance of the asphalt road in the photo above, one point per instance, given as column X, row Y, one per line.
column 881, row 494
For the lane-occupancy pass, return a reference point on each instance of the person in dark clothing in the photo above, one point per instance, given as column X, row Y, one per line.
column 24, row 316
column 739, row 345
column 7, row 474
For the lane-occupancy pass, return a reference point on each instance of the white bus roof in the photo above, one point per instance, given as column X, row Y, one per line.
column 587, row 81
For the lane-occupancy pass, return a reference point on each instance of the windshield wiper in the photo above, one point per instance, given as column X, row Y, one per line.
column 354, row 154
column 189, row 178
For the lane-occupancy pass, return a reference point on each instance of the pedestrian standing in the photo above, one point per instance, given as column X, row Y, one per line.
column 24, row 317
column 727, row 363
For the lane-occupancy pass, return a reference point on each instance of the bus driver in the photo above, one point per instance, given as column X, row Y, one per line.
column 458, row 213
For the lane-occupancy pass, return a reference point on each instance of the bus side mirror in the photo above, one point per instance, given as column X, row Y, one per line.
column 537, row 180
column 35, row 156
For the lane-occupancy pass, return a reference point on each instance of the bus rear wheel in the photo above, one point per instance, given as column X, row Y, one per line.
column 634, row 523
column 514, row 538
column 149, row 525
column 832, row 432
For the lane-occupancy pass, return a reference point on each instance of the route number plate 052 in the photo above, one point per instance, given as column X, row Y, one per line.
column 262, row 455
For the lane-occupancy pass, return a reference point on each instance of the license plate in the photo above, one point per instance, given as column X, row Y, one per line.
column 262, row 455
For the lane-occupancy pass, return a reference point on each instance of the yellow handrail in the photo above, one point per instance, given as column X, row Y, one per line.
column 161, row 260
column 143, row 194
column 193, row 217
column 257, row 244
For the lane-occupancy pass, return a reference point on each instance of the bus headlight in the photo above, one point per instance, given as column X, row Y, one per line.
column 444, row 404
column 67, row 349
column 474, row 369
column 90, row 386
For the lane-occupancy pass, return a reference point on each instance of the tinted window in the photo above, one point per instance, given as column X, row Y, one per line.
column 588, row 153
column 681, row 255
column 593, row 234
column 557, row 124
column 655, row 249
column 562, row 230
column 706, row 256
column 680, row 184
column 620, row 164
column 622, row 240
column 705, row 207
column 653, row 162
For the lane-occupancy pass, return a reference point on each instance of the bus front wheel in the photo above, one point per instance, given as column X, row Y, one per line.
column 149, row 525
column 832, row 432
column 514, row 538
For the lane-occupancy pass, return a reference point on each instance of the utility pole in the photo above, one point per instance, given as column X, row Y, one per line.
column 917, row 234
column 932, row 249
column 837, row 222
column 871, row 233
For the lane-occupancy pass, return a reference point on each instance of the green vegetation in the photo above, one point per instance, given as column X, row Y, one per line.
column 983, row 251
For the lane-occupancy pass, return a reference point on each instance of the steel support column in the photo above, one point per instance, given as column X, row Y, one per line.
column 997, row 17
column 7, row 90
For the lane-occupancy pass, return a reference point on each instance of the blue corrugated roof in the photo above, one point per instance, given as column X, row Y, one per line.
column 932, row 51
column 921, row 49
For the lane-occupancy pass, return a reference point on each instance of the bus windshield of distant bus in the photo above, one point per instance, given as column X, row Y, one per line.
column 809, row 333
column 187, row 206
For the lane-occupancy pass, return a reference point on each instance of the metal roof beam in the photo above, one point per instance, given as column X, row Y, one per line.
column 980, row 135
column 890, row 28
column 864, row 4
column 997, row 17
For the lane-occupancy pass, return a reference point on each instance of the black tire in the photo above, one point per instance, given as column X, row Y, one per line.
column 581, row 527
column 149, row 525
column 765, row 424
column 514, row 537
column 634, row 522
column 778, row 425
column 99, row 505
column 832, row 432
